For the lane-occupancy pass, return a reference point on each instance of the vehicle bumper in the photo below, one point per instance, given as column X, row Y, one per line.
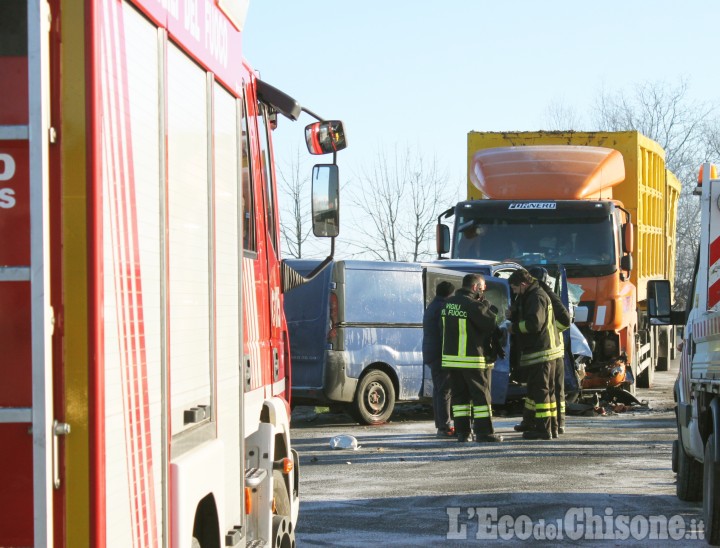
column 337, row 385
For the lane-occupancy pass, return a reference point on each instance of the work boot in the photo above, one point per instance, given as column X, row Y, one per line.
column 464, row 436
column 522, row 427
column 445, row 433
column 561, row 429
column 480, row 438
column 537, row 435
column 554, row 433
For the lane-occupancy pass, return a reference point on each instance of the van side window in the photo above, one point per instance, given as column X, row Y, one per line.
column 248, row 204
column 383, row 296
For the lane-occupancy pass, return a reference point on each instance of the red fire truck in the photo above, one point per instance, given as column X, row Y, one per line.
column 145, row 371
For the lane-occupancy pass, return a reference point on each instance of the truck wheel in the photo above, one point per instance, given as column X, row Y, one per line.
column 663, row 349
column 711, row 488
column 673, row 342
column 647, row 377
column 283, row 532
column 689, row 476
column 674, row 460
column 375, row 398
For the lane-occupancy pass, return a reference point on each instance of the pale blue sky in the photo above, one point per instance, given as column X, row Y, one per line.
column 425, row 73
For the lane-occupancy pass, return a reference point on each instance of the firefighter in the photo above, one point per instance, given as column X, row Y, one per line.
column 532, row 325
column 468, row 326
column 432, row 357
column 562, row 322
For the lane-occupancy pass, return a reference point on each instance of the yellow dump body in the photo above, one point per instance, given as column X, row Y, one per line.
column 649, row 192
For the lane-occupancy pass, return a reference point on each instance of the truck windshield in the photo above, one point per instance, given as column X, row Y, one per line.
column 574, row 242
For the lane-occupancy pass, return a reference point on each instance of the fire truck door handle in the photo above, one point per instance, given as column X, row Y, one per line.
column 276, row 364
column 59, row 429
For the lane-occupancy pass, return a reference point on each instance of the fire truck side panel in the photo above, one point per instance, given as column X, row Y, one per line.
column 132, row 278
column 159, row 231
column 227, row 149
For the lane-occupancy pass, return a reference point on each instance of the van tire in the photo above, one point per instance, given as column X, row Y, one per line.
column 374, row 399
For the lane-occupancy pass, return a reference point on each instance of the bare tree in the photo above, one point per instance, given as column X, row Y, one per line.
column 294, row 197
column 666, row 114
column 399, row 198
column 561, row 117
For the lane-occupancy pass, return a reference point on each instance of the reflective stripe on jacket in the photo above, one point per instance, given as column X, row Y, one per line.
column 538, row 339
column 467, row 325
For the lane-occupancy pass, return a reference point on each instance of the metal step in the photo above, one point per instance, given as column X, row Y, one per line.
column 254, row 476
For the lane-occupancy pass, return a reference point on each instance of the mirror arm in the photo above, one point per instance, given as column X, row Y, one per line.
column 445, row 214
column 311, row 113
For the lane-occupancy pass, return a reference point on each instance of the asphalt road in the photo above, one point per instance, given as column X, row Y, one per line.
column 608, row 481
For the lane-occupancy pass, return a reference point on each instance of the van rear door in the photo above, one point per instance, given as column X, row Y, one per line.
column 307, row 312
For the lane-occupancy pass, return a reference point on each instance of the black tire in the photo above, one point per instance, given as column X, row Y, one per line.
column 675, row 450
column 711, row 488
column 647, row 377
column 689, row 476
column 673, row 343
column 374, row 399
column 663, row 349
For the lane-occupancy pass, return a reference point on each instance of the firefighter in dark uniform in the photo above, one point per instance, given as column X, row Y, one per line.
column 536, row 337
column 468, row 326
column 562, row 322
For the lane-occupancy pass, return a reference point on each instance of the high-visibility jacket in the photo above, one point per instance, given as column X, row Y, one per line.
column 468, row 324
column 561, row 315
column 533, row 327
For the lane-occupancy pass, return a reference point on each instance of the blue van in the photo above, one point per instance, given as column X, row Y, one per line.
column 356, row 334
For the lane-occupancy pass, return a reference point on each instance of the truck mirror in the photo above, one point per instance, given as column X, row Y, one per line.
column 626, row 263
column 627, row 242
column 442, row 239
column 659, row 302
column 325, row 200
column 324, row 137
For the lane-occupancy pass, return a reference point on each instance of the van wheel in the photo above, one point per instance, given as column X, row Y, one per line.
column 375, row 399
column 689, row 486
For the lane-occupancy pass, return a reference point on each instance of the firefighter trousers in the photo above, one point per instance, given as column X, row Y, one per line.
column 471, row 400
column 559, row 393
column 541, row 390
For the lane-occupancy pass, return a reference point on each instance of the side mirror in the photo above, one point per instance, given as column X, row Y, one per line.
column 442, row 239
column 659, row 301
column 325, row 137
column 325, row 200
column 627, row 237
column 626, row 263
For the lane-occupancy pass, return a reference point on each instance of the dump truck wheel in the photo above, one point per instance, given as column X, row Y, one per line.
column 689, row 476
column 375, row 398
column 647, row 377
column 711, row 490
column 663, row 349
